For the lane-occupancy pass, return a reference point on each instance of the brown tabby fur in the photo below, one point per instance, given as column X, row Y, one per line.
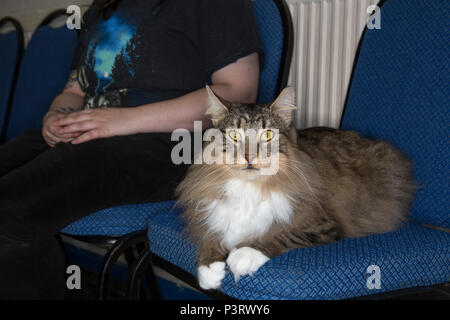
column 340, row 184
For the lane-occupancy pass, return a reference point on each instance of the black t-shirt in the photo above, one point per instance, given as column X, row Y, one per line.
column 156, row 50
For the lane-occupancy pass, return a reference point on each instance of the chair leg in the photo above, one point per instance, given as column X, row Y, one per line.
column 151, row 280
column 111, row 257
column 142, row 265
column 130, row 258
column 149, row 274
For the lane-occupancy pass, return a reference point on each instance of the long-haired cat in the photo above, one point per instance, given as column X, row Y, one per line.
column 329, row 184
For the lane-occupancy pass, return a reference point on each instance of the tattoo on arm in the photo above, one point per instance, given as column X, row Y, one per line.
column 65, row 110
column 73, row 78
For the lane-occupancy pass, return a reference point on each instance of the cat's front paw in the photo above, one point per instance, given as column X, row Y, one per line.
column 210, row 277
column 245, row 260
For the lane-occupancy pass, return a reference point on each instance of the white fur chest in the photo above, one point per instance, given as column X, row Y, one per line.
column 244, row 213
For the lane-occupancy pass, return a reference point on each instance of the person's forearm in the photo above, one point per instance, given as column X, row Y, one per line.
column 67, row 102
column 166, row 116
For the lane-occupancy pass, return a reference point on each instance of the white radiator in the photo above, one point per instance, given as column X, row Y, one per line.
column 327, row 34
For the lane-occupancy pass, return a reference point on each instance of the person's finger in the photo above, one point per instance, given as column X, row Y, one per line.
column 70, row 135
column 54, row 139
column 55, row 131
column 48, row 121
column 87, row 136
column 49, row 138
column 78, row 127
column 50, row 134
column 73, row 118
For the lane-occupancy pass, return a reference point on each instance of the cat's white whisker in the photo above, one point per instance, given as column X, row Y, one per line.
column 298, row 171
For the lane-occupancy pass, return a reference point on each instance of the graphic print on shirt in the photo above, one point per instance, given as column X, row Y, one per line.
column 111, row 50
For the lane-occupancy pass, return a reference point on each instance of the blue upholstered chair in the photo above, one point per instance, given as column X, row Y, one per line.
column 43, row 72
column 11, row 44
column 399, row 92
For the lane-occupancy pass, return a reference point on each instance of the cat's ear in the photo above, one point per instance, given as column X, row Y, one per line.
column 217, row 109
column 284, row 105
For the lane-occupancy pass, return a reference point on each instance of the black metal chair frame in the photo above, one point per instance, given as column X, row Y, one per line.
column 146, row 260
column 21, row 45
column 121, row 244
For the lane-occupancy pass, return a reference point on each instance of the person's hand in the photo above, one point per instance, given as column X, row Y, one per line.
column 50, row 129
column 96, row 123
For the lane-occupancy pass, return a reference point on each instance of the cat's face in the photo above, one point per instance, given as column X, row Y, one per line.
column 254, row 136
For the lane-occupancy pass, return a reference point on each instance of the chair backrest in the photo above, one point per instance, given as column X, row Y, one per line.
column 11, row 44
column 44, row 70
column 400, row 92
column 276, row 33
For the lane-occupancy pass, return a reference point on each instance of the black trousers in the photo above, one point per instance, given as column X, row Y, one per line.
column 44, row 189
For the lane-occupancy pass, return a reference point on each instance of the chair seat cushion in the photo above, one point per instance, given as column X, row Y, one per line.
column 409, row 257
column 119, row 220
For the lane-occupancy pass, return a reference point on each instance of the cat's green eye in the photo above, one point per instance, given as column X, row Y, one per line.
column 236, row 136
column 267, row 135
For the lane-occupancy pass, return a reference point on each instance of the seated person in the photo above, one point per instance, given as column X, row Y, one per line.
column 139, row 72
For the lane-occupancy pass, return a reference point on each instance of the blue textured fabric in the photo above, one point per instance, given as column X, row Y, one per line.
column 270, row 28
column 409, row 257
column 119, row 220
column 400, row 92
column 9, row 45
column 44, row 71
